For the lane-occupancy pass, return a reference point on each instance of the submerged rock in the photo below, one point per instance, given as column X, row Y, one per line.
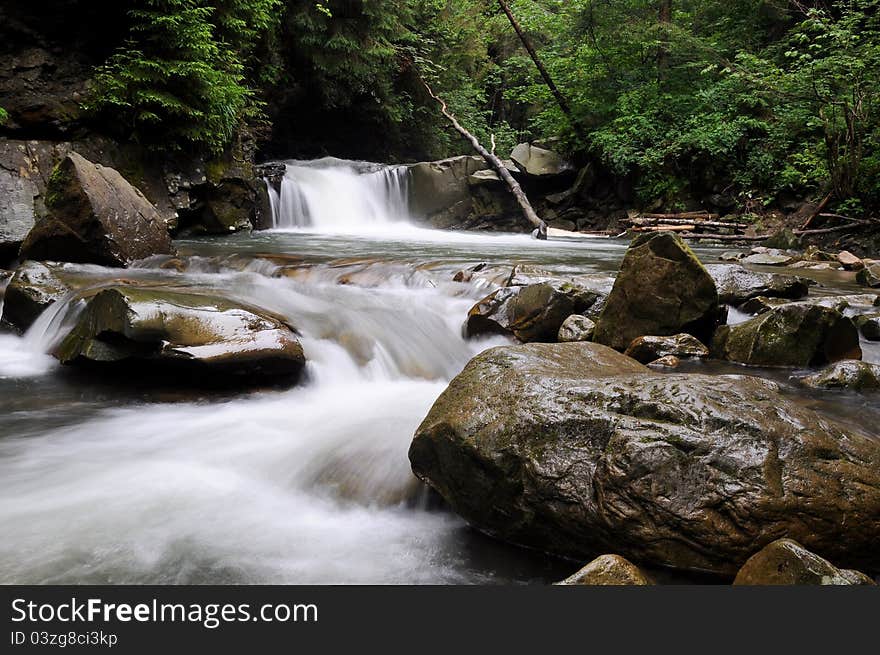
column 790, row 335
column 768, row 259
column 576, row 328
column 95, row 216
column 208, row 339
column 848, row 374
column 534, row 312
column 786, row 562
column 662, row 289
column 737, row 284
column 576, row 449
column 650, row 349
column 34, row 286
column 609, row 570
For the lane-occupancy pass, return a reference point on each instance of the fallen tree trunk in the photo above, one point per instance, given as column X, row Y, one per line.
column 496, row 164
column 684, row 215
column 683, row 221
column 724, row 237
column 686, row 227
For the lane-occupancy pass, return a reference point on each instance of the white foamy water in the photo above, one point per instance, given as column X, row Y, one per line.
column 334, row 196
column 309, row 485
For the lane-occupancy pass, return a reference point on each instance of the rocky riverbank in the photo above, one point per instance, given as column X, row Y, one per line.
column 577, row 448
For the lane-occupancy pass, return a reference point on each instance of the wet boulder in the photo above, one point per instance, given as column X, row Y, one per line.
column 576, row 449
column 848, row 374
column 786, row 562
column 438, row 187
column 609, row 570
column 869, row 276
column 681, row 346
column 869, row 326
column 95, row 216
column 187, row 336
column 33, row 287
column 534, row 312
column 576, row 328
column 737, row 284
column 662, row 289
column 665, row 363
column 790, row 335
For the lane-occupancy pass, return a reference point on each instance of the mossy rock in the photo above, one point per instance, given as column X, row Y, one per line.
column 791, row 335
column 848, row 374
column 786, row 562
column 607, row 571
column 575, row 449
column 662, row 290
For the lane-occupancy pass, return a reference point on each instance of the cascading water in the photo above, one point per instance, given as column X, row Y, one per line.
column 107, row 484
column 336, row 196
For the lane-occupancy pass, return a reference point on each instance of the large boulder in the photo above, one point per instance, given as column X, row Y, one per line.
column 662, row 289
column 786, row 562
column 650, row 349
column 737, row 284
column 184, row 335
column 848, row 374
column 34, row 286
column 790, row 335
column 576, row 449
column 534, row 312
column 95, row 216
column 538, row 162
column 609, row 570
column 440, row 186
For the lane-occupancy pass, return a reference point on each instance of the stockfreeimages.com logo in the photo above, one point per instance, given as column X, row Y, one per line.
column 209, row 615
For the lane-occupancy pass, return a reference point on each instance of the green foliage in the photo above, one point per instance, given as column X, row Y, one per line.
column 182, row 80
column 4, row 116
column 760, row 96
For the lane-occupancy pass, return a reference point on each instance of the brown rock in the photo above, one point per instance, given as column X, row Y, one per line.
column 609, row 570
column 95, row 216
column 786, row 562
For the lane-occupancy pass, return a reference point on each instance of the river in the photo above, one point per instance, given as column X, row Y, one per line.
column 109, row 482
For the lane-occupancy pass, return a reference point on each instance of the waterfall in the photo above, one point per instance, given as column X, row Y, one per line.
column 332, row 195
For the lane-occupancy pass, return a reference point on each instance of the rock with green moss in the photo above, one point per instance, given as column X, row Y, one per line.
column 736, row 284
column 662, row 289
column 609, row 570
column 32, row 289
column 682, row 346
column 95, row 216
column 184, row 335
column 790, row 335
column 786, row 562
column 869, row 276
column 869, row 325
column 576, row 449
column 533, row 312
column 848, row 374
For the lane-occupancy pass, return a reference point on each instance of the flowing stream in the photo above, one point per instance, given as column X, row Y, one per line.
column 104, row 482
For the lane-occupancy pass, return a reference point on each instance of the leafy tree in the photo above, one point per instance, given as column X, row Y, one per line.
column 182, row 78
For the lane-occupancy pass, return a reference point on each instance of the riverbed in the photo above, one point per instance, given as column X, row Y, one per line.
column 125, row 481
